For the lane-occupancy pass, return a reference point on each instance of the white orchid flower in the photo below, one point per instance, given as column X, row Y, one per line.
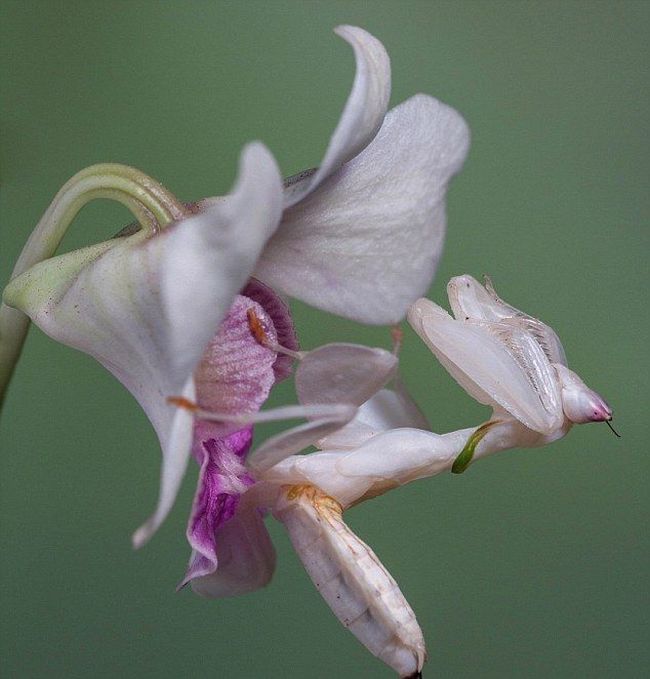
column 508, row 360
column 360, row 236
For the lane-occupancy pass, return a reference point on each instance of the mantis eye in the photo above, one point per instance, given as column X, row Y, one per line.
column 585, row 405
column 581, row 404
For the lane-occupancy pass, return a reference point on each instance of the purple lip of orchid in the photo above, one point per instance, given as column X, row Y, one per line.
column 222, row 480
column 234, row 376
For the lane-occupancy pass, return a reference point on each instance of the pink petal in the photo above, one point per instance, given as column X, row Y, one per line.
column 280, row 317
column 222, row 480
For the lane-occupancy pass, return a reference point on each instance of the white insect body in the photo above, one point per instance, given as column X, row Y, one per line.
column 506, row 359
column 351, row 579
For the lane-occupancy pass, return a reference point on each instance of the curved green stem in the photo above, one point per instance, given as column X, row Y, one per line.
column 152, row 205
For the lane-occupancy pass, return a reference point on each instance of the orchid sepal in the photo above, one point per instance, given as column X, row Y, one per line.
column 362, row 115
column 370, row 237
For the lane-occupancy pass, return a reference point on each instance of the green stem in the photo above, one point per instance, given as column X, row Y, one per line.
column 152, row 205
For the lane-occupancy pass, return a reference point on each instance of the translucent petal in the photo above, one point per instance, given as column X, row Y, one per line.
column 175, row 444
column 106, row 300
column 246, row 557
column 362, row 115
column 209, row 257
column 366, row 244
column 100, row 300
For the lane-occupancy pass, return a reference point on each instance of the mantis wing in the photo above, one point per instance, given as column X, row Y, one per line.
column 498, row 364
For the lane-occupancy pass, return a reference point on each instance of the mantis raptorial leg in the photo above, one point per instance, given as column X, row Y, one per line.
column 349, row 576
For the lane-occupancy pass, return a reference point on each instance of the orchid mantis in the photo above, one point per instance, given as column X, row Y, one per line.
column 508, row 360
column 521, row 374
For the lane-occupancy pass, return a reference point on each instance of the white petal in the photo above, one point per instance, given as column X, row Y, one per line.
column 367, row 243
column 387, row 409
column 104, row 301
column 209, row 257
column 246, row 557
column 175, row 445
column 484, row 367
column 363, row 113
column 354, row 583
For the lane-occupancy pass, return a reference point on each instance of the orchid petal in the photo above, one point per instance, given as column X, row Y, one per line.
column 236, row 372
column 106, row 301
column 176, row 447
column 387, row 409
column 521, row 381
column 280, row 318
column 367, row 243
column 246, row 557
column 363, row 113
column 209, row 257
column 222, row 480
column 101, row 300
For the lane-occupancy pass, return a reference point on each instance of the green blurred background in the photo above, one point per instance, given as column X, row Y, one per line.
column 532, row 564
